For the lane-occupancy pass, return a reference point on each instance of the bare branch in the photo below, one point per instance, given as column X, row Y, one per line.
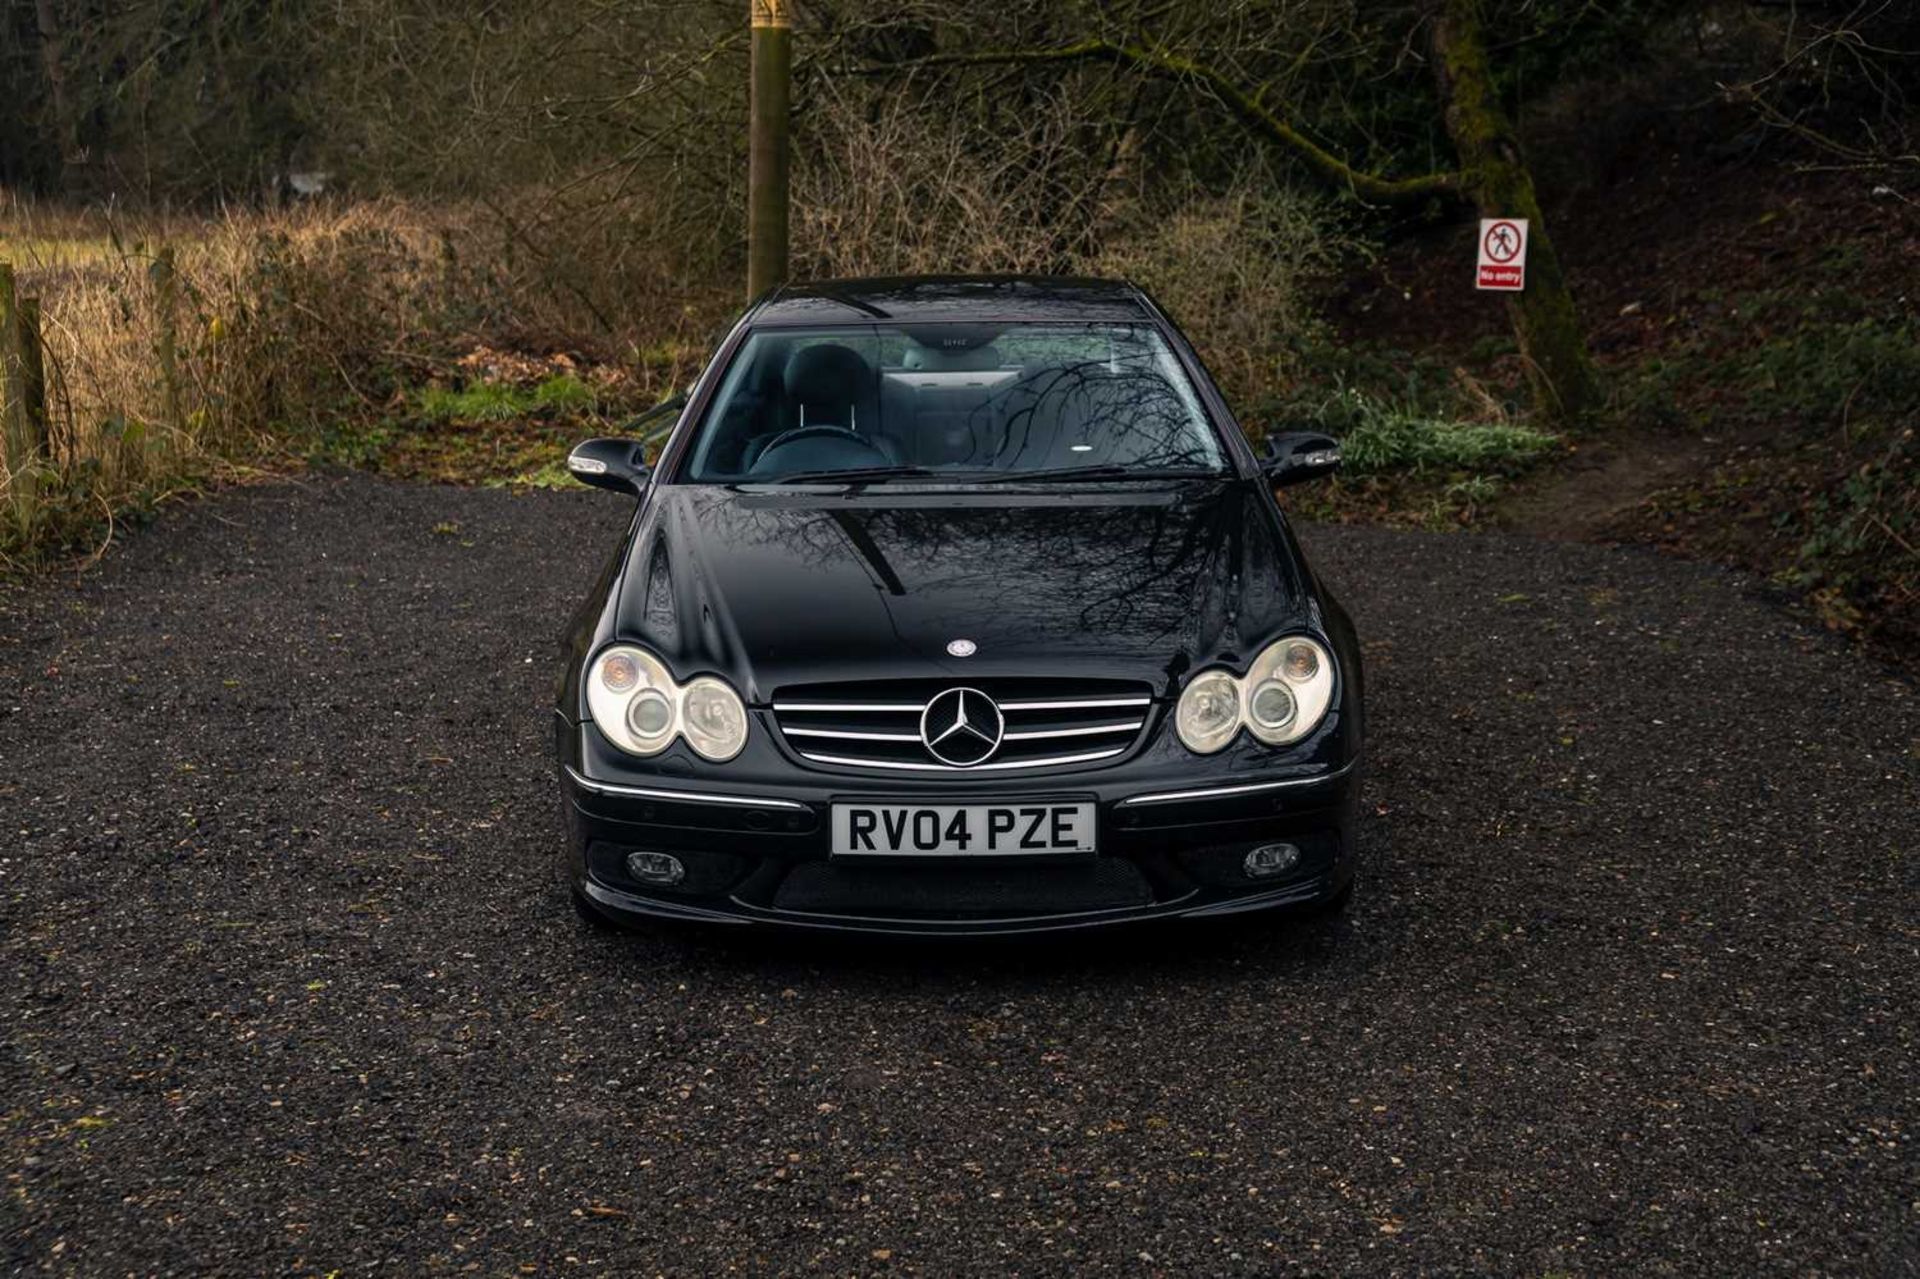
column 1252, row 112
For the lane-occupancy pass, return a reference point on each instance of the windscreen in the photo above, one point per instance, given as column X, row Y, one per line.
column 955, row 400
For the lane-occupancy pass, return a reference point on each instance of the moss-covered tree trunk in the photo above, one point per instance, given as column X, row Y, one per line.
column 1495, row 176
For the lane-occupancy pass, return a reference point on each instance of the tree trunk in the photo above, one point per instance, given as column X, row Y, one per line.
column 53, row 66
column 769, row 97
column 1497, row 178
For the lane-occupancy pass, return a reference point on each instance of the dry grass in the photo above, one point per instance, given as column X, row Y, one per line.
column 282, row 323
column 292, row 327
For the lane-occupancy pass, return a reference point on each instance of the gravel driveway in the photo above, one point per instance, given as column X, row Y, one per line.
column 292, row 985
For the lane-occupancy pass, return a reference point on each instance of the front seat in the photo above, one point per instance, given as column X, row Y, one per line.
column 830, row 385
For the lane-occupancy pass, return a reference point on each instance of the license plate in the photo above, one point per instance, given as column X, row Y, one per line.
column 961, row 830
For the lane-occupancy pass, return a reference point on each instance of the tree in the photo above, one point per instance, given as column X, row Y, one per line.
column 1492, row 175
column 1495, row 174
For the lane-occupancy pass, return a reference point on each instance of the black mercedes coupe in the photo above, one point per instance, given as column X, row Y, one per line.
column 957, row 605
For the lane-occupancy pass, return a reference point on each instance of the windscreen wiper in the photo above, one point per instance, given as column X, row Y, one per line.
column 847, row 475
column 1107, row 471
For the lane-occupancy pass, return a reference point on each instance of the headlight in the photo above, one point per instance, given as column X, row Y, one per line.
column 713, row 720
column 635, row 702
column 1295, row 674
column 1283, row 697
column 1209, row 712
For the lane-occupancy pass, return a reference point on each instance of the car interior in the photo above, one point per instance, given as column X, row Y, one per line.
column 947, row 397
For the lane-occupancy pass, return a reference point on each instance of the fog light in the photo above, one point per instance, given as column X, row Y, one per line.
column 655, row 868
column 1269, row 860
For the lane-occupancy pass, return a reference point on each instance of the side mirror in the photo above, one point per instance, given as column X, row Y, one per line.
column 609, row 463
column 1294, row 456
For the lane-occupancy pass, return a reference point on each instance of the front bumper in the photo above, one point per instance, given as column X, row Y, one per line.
column 1172, row 835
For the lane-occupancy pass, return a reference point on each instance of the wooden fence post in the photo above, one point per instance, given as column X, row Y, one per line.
column 166, row 284
column 33, row 379
column 16, row 435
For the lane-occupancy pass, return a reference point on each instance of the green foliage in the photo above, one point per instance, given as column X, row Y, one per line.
column 498, row 433
column 1830, row 371
column 502, row 402
column 1866, row 525
column 549, row 475
column 481, row 402
column 351, row 441
column 1378, row 436
column 1339, row 371
column 1817, row 361
column 565, row 393
column 1828, row 394
column 1859, row 527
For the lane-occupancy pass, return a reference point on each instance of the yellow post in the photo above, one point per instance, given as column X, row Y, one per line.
column 769, row 100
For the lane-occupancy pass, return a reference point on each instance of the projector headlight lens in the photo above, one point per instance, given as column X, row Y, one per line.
column 1271, row 705
column 634, row 701
column 650, row 714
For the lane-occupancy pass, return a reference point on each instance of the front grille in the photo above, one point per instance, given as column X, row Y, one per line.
column 1047, row 723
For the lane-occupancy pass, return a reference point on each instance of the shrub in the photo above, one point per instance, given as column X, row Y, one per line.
column 1237, row 269
column 1831, row 372
column 1377, row 436
column 1235, row 262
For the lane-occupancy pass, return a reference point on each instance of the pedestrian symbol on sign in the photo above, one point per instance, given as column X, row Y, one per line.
column 1503, row 254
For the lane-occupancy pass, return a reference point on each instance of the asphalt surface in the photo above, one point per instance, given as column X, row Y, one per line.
column 292, row 984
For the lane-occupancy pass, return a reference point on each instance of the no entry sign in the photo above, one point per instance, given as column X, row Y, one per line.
column 1503, row 254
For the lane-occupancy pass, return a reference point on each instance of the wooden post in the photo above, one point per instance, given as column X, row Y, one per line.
column 16, row 435
column 33, row 378
column 166, row 286
column 768, row 102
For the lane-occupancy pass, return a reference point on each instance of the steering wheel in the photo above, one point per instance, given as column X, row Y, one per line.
column 843, row 434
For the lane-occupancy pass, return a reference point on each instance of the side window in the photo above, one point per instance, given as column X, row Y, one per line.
column 746, row 408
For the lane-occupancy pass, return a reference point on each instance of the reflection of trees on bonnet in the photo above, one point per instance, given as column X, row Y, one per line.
column 1156, row 564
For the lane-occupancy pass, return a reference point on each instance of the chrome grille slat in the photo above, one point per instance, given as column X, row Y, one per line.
column 1046, row 723
column 852, row 735
column 1090, row 731
column 878, row 708
column 976, row 768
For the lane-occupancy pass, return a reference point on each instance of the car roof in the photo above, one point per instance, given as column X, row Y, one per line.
column 922, row 298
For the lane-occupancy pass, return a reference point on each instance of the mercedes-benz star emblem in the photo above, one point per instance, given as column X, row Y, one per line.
column 961, row 727
column 962, row 648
